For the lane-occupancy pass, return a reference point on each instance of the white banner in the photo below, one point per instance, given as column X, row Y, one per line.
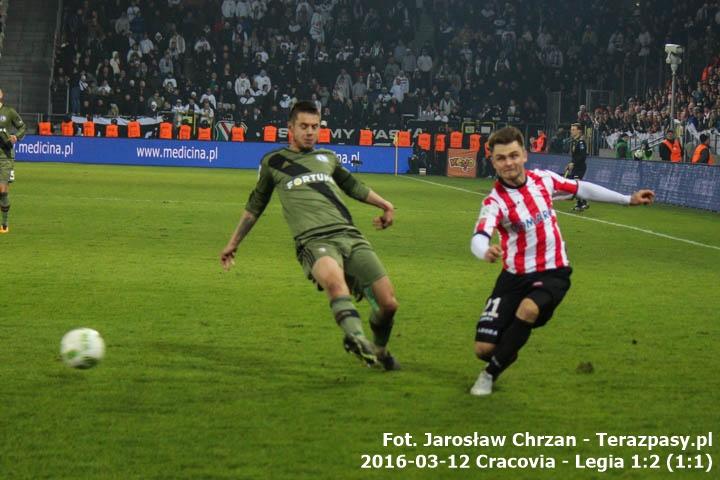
column 120, row 121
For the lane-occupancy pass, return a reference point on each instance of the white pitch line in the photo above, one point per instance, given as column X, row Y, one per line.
column 622, row 225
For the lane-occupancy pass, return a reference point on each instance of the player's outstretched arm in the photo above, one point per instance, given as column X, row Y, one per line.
column 591, row 191
column 227, row 256
column 642, row 197
column 388, row 216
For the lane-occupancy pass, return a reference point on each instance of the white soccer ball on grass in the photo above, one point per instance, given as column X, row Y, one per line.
column 82, row 348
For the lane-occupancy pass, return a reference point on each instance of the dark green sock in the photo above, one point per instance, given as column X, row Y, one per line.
column 5, row 206
column 347, row 316
column 381, row 328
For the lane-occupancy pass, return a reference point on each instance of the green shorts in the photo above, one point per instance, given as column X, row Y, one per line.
column 352, row 252
column 6, row 171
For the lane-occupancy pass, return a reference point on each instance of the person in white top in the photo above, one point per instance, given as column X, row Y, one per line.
column 242, row 85
column 179, row 43
column 210, row 97
column 317, row 31
column 242, row 9
column 228, row 9
column 146, row 45
column 536, row 270
column 122, row 24
column 202, row 45
column 397, row 91
column 261, row 80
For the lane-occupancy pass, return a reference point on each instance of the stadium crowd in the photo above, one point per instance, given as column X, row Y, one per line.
column 697, row 104
column 359, row 62
column 3, row 14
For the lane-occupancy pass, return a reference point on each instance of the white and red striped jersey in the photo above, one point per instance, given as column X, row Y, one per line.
column 527, row 223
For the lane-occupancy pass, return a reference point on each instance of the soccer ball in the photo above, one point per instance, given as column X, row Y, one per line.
column 82, row 348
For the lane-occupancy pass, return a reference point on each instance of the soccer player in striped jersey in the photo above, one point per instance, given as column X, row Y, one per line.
column 536, row 271
column 330, row 248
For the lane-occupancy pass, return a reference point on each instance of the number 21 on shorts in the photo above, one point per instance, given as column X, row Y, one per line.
column 491, row 310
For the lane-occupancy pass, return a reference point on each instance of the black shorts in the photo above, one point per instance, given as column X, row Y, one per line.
column 578, row 172
column 546, row 289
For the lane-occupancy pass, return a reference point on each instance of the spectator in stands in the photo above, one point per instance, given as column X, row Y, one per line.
column 622, row 149
column 152, row 110
column 207, row 113
column 166, row 65
column 447, row 104
column 343, row 84
column 228, row 9
column 408, row 63
column 192, row 106
column 558, row 141
column 425, row 65
column 261, row 80
column 242, row 9
column 122, row 24
column 169, row 81
column 503, row 60
column 359, row 88
column 146, row 45
column 397, row 91
column 243, row 85
column 178, row 107
column 644, row 152
column 209, row 97
column 374, row 83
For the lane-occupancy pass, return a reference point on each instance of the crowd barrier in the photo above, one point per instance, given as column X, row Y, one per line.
column 684, row 184
column 175, row 153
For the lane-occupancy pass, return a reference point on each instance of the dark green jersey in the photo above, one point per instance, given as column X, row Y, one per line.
column 309, row 185
column 10, row 123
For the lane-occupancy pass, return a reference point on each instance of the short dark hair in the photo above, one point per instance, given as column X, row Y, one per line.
column 579, row 126
column 303, row 106
column 506, row 136
column 703, row 137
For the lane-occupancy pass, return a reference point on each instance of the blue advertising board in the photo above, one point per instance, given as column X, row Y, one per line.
column 683, row 184
column 175, row 153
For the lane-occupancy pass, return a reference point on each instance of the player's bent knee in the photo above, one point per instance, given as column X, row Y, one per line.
column 336, row 287
column 328, row 274
column 528, row 311
column 389, row 307
column 484, row 350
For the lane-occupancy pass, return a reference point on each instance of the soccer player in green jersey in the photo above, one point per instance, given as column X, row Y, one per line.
column 332, row 251
column 9, row 119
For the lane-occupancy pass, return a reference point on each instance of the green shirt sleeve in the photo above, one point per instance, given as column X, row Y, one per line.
column 260, row 196
column 19, row 125
column 349, row 184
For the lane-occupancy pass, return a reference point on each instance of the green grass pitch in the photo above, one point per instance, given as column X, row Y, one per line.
column 241, row 374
